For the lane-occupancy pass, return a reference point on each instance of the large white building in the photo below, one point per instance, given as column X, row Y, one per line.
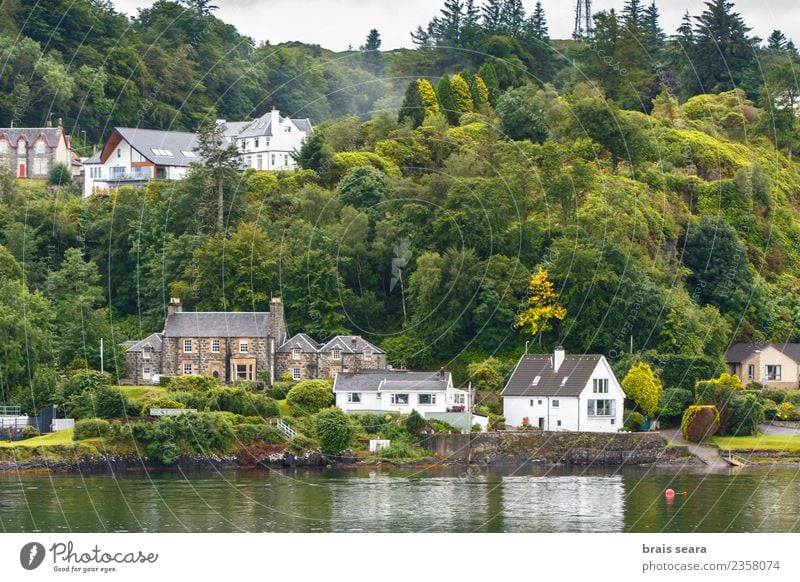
column 561, row 392
column 267, row 143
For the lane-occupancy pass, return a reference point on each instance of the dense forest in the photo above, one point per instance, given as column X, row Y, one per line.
column 649, row 177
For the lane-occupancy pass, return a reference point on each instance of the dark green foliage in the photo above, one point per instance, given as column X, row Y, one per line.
column 82, row 381
column 100, row 402
column 281, row 389
column 746, row 413
column 91, row 428
column 489, row 76
column 412, row 109
column 200, row 434
column 314, row 154
column 60, row 175
column 309, row 397
column 674, row 401
column 229, row 399
column 157, row 401
column 334, row 430
column 415, row 423
column 248, row 433
column 521, row 115
column 447, row 100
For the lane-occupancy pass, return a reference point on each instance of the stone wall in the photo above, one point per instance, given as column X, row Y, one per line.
column 579, row 448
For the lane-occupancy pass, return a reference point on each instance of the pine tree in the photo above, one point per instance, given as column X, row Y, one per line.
column 447, row 100
column 471, row 32
column 371, row 50
column 538, row 24
column 489, row 76
column 633, row 14
column 776, row 41
column 512, row 17
column 653, row 35
column 412, row 108
column 492, row 23
column 536, row 40
column 220, row 163
column 447, row 30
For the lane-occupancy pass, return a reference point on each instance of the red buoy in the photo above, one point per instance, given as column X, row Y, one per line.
column 669, row 493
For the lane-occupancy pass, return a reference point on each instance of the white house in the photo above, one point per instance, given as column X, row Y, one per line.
column 267, row 143
column 561, row 392
column 400, row 392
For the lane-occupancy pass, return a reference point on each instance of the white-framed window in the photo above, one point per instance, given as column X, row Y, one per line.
column 259, row 161
column 427, row 399
column 247, row 161
column 399, row 398
column 459, row 399
column 354, row 397
column 146, row 372
column 555, row 403
column 256, row 143
column 600, row 386
column 187, row 346
column 3, row 147
column 189, row 154
column 243, row 347
column 39, row 147
column 337, row 354
column 187, row 369
column 296, row 353
column 147, row 352
column 601, row 408
column 243, row 144
column 285, row 159
column 295, row 373
column 532, row 401
column 41, row 165
column 273, row 160
column 751, row 371
column 242, row 372
column 378, row 395
column 215, row 346
column 773, row 372
column 367, row 354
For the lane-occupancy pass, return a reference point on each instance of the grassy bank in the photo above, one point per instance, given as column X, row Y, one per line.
column 760, row 442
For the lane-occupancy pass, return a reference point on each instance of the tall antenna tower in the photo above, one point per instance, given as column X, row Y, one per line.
column 583, row 19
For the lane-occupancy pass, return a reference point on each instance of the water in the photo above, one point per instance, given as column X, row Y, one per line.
column 442, row 499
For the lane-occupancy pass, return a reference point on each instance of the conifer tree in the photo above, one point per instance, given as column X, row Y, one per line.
column 412, row 108
column 447, row 100
column 461, row 95
column 427, row 94
column 490, row 18
column 489, row 76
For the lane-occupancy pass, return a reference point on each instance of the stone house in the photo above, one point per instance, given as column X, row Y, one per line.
column 305, row 359
column 773, row 365
column 31, row 152
column 143, row 359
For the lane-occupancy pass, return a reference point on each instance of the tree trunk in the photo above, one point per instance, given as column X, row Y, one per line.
column 220, row 205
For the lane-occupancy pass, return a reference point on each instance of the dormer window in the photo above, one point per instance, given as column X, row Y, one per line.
column 295, row 353
column 337, row 354
column 40, row 147
column 3, row 147
column 21, row 147
column 367, row 354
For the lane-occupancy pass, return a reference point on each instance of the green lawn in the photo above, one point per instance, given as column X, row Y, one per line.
column 136, row 393
column 62, row 437
column 759, row 442
column 284, row 408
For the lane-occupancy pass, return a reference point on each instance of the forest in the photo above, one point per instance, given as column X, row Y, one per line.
column 647, row 177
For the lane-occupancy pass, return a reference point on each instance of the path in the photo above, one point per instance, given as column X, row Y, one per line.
column 709, row 455
column 768, row 429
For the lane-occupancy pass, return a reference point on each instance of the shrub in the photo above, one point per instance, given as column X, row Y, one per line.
column 787, row 411
column 643, row 387
column 745, row 414
column 634, row 421
column 101, row 402
column 28, row 432
column 188, row 383
column 121, row 433
column 248, row 433
column 309, row 397
column 170, row 436
column 157, row 401
column 770, row 409
column 281, row 389
column 91, row 428
column 334, row 430
column 82, row 381
column 674, row 401
column 700, row 422
column 415, row 423
column 60, row 175
column 235, row 400
column 777, row 396
column 402, row 449
column 793, row 396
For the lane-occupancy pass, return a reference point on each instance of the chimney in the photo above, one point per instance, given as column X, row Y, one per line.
column 441, row 373
column 174, row 306
column 354, row 341
column 558, row 358
column 275, row 119
column 277, row 322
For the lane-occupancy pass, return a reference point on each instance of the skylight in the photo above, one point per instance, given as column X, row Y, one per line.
column 536, row 380
column 188, row 154
column 161, row 152
column 564, row 380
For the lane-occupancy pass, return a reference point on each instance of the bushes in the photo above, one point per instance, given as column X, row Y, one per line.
column 281, row 389
column 309, row 397
column 415, row 423
column 674, row 401
column 700, row 422
column 745, row 414
column 334, row 430
column 200, row 433
column 60, row 174
column 247, row 433
column 189, row 383
column 787, row 411
column 634, row 421
column 101, row 402
column 28, row 432
column 236, row 400
column 157, row 401
column 91, row 428
column 770, row 409
column 82, row 381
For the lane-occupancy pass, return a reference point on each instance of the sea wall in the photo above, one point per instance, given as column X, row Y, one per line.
column 578, row 448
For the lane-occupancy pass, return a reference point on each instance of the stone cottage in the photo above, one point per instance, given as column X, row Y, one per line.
column 306, row 359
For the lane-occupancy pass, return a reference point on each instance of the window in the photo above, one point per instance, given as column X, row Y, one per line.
column 367, row 354
column 256, row 143
column 459, row 399
column 773, row 373
column 243, row 144
column 532, row 401
column 241, row 372
column 555, row 403
column 612, row 420
column 354, row 397
column 601, row 408
column 378, row 395
column 259, row 162
column 146, row 371
column 296, row 353
column 399, row 398
column 160, row 152
column 188, row 154
column 3, row 147
column 539, row 402
column 147, row 352
column 600, row 385
column 117, row 172
column 21, row 147
column 40, row 166
column 119, row 152
column 187, row 346
column 285, row 159
column 536, row 380
column 273, row 160
column 287, row 129
column 247, row 161
column 558, row 423
column 40, row 147
column 187, row 369
column 337, row 354
column 243, row 347
column 215, row 346
column 751, row 371
column 295, row 373
column 427, row 399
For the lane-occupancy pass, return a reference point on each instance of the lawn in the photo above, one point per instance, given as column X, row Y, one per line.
column 136, row 393
column 759, row 443
column 62, row 437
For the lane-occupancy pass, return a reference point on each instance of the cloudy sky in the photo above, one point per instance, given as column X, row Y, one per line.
column 335, row 24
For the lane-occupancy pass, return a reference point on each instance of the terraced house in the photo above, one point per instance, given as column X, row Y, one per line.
column 304, row 358
column 31, row 152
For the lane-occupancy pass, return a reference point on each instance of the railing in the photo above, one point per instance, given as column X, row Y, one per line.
column 10, row 410
column 283, row 427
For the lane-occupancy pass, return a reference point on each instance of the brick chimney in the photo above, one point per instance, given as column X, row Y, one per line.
column 277, row 321
column 174, row 306
column 558, row 358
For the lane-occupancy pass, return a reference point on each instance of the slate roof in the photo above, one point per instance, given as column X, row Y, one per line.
column 217, row 324
column 94, row 158
column 569, row 381
column 345, row 343
column 302, row 341
column 740, row 352
column 262, row 126
column 385, row 380
column 51, row 134
column 145, row 141
column 153, row 340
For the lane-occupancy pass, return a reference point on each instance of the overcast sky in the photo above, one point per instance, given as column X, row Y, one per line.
column 335, row 24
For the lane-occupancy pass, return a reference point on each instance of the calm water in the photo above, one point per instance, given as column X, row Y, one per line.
column 532, row 499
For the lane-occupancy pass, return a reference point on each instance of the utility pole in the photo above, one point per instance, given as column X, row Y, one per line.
column 101, row 355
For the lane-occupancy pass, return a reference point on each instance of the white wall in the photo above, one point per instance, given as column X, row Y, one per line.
column 602, row 423
column 515, row 408
column 371, row 401
column 281, row 145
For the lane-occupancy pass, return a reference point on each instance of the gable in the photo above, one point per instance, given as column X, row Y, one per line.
column 603, row 370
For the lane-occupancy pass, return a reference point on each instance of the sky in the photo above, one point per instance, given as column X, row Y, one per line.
column 336, row 24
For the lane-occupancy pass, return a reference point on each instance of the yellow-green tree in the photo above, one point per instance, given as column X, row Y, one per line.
column 428, row 95
column 461, row 94
column 643, row 387
column 542, row 307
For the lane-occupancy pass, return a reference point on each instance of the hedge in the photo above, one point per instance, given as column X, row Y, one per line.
column 91, row 428
column 700, row 422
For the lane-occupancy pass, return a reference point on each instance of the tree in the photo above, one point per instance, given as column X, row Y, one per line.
column 60, row 175
column 542, row 306
column 334, row 430
column 220, row 163
column 643, row 387
column 461, row 95
column 776, row 41
column 371, row 49
column 413, row 108
column 309, row 397
column 491, row 17
column 447, row 100
column 314, row 154
column 512, row 17
column 415, row 423
column 430, row 101
column 521, row 114
column 489, row 76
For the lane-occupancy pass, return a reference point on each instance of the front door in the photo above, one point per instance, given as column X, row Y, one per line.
column 22, row 170
column 541, row 422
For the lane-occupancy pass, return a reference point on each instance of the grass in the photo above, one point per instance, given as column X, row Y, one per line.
column 284, row 406
column 759, row 442
column 136, row 393
column 62, row 437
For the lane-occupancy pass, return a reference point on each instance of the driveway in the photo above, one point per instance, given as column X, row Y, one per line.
column 778, row 430
column 709, row 455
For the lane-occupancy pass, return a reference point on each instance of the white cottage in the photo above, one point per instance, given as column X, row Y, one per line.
column 267, row 143
column 561, row 392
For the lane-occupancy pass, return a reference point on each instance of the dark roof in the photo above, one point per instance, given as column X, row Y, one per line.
column 345, row 343
column 302, row 341
column 217, row 324
column 51, row 134
column 383, row 380
column 94, row 158
column 569, row 381
column 262, row 126
column 145, row 141
column 153, row 340
column 738, row 353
